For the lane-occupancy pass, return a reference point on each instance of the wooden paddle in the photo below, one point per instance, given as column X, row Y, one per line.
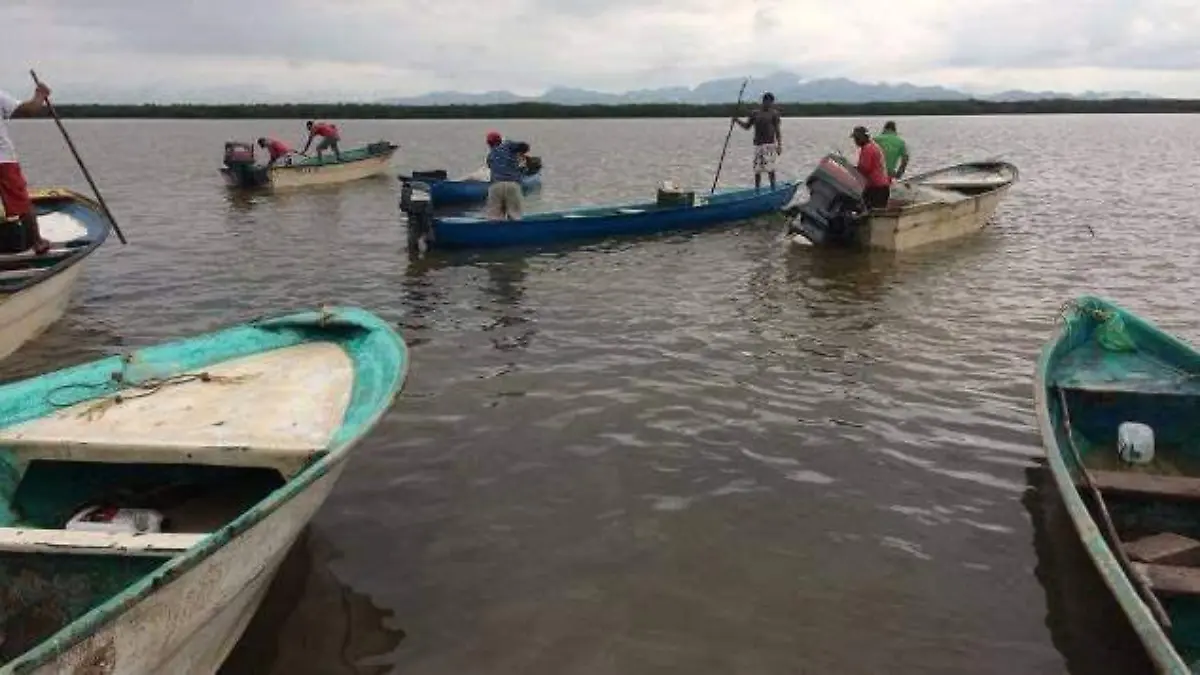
column 1110, row 530
column 82, row 166
column 724, row 148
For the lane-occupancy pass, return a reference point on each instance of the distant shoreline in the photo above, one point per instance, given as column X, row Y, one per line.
column 632, row 111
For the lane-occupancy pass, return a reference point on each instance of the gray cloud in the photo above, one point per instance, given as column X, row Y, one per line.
column 371, row 48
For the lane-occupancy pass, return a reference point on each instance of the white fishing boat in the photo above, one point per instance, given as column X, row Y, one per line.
column 147, row 501
column 35, row 290
column 292, row 171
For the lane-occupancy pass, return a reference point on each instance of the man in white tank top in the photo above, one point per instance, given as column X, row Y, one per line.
column 14, row 194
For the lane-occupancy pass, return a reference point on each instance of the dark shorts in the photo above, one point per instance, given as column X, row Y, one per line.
column 877, row 197
column 14, row 193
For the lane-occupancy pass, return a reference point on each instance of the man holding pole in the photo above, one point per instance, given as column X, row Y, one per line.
column 768, row 138
column 14, row 193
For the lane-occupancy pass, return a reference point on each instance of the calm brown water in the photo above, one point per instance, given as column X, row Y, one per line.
column 686, row 454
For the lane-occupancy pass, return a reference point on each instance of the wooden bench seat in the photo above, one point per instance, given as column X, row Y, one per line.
column 83, row 542
column 1183, row 488
column 1170, row 579
column 1165, row 548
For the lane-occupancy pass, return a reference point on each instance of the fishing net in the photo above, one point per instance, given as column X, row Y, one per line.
column 1109, row 332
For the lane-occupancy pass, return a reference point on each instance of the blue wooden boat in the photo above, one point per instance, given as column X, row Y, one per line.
column 146, row 501
column 597, row 222
column 444, row 191
column 1135, row 504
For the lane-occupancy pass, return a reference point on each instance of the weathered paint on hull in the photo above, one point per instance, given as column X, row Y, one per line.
column 289, row 177
column 930, row 223
column 190, row 625
column 27, row 313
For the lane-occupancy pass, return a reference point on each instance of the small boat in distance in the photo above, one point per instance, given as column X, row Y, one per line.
column 471, row 189
column 943, row 204
column 35, row 290
column 674, row 210
column 241, row 171
column 1118, row 407
column 148, row 499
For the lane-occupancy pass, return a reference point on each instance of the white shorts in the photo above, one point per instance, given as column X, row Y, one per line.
column 764, row 158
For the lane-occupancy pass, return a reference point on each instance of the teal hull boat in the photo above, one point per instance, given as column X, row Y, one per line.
column 146, row 501
column 1118, row 407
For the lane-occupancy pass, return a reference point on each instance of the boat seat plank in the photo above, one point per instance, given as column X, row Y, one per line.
column 1164, row 548
column 1093, row 369
column 86, row 542
column 1170, row 579
column 256, row 410
column 1183, row 488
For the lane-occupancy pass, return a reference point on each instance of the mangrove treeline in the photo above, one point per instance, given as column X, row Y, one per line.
column 532, row 110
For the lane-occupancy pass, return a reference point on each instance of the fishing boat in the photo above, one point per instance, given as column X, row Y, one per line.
column 241, row 171
column 673, row 210
column 36, row 289
column 947, row 203
column 1118, row 407
column 147, row 500
column 473, row 188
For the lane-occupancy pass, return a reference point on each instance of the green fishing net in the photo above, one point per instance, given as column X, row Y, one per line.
column 1111, row 332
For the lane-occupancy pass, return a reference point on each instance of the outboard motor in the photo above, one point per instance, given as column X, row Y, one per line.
column 418, row 208
column 240, row 166
column 835, row 205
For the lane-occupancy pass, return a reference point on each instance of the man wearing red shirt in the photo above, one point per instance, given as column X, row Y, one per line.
column 276, row 149
column 329, row 138
column 873, row 169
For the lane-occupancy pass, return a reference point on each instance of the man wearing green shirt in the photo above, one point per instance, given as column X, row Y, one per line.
column 895, row 151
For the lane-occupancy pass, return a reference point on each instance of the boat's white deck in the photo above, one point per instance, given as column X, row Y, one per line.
column 286, row 400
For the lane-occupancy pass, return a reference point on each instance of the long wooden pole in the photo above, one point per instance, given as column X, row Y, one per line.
column 728, row 135
column 79, row 160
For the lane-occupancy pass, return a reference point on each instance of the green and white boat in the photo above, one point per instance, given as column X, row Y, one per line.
column 1118, row 407
column 147, row 500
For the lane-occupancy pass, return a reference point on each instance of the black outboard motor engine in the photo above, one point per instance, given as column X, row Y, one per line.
column 417, row 206
column 240, row 166
column 835, row 205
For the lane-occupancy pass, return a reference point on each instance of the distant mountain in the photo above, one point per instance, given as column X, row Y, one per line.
column 787, row 87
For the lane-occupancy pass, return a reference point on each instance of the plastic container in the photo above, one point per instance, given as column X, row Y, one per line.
column 1135, row 443
column 116, row 520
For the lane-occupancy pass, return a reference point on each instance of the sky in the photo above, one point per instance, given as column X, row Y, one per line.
column 363, row 50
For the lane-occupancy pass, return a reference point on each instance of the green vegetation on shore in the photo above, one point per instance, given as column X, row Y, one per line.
column 553, row 111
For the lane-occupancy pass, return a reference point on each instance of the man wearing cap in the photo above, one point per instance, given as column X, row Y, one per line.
column 872, row 168
column 895, row 150
column 14, row 193
column 768, row 138
column 504, row 163
column 276, row 149
column 329, row 138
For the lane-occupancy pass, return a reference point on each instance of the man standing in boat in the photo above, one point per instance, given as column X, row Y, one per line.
column 872, row 168
column 768, row 138
column 504, row 200
column 276, row 149
column 14, row 193
column 895, row 150
column 329, row 138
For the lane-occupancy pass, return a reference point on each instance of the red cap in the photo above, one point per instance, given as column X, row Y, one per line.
column 493, row 137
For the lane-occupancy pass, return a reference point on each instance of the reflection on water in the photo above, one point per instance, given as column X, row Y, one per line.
column 1085, row 621
column 312, row 622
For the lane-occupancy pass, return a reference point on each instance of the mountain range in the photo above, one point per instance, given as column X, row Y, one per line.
column 787, row 87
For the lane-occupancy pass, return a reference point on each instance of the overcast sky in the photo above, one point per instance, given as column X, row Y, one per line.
column 242, row 50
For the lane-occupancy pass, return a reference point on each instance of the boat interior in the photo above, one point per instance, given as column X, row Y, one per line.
column 1154, row 507
column 69, row 226
column 197, row 449
column 952, row 185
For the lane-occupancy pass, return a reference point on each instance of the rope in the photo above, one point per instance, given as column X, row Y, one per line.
column 141, row 389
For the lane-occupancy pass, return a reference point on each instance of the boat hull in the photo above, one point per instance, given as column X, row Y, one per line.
column 904, row 229
column 637, row 219
column 1107, row 386
column 34, row 305
column 456, row 192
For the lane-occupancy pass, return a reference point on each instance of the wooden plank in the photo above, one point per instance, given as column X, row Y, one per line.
column 84, row 542
column 1170, row 579
column 1165, row 548
column 1182, row 488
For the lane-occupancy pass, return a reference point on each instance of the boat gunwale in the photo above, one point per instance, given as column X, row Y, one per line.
column 78, row 255
column 337, row 451
column 1154, row 639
